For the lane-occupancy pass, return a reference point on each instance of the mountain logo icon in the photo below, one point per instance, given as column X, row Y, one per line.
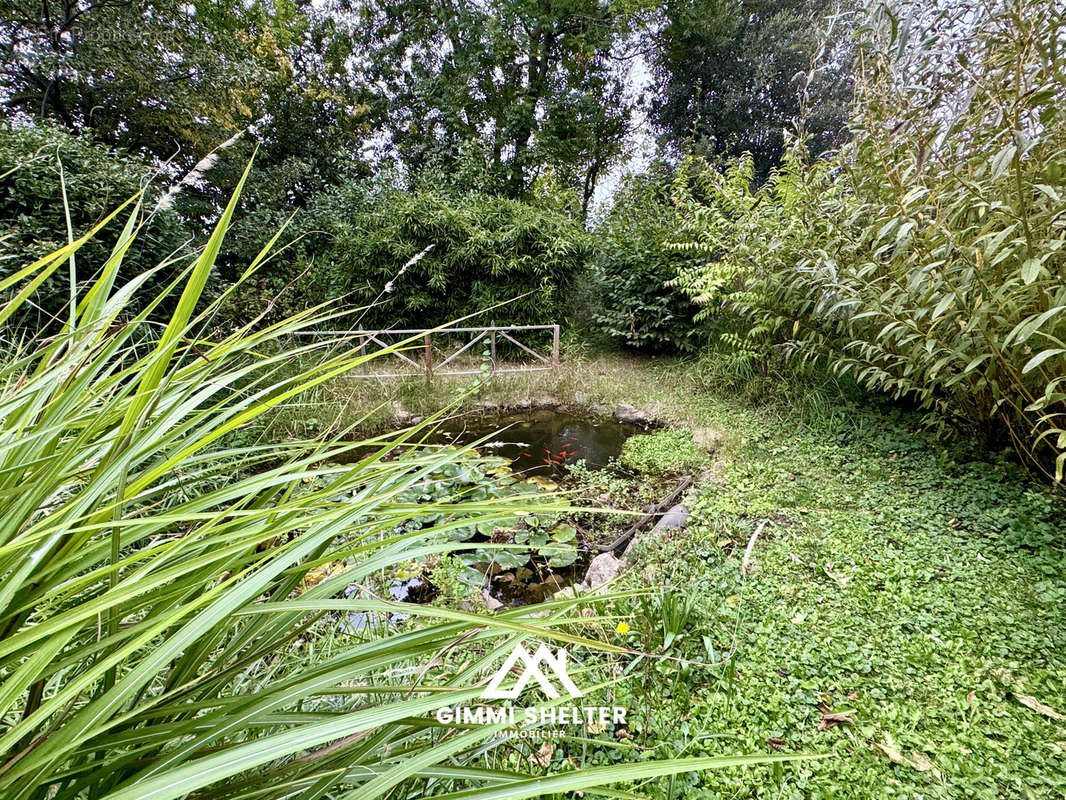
column 556, row 664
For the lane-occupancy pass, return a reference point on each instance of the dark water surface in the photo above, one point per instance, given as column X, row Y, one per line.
column 541, row 442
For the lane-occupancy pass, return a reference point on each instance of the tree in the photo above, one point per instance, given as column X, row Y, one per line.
column 636, row 268
column 162, row 77
column 727, row 73
column 531, row 84
column 171, row 79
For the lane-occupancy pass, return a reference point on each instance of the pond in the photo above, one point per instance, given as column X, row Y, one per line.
column 537, row 442
column 542, row 441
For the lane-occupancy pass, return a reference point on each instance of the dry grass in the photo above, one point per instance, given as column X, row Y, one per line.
column 661, row 386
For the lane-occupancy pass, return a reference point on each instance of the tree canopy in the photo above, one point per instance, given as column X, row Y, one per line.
column 524, row 87
column 728, row 74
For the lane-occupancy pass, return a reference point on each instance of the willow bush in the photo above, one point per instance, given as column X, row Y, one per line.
column 926, row 259
column 171, row 600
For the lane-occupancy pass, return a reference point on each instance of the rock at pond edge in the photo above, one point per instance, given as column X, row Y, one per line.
column 603, row 568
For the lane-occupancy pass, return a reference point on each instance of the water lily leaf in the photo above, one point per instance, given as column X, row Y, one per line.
column 564, row 533
column 564, row 559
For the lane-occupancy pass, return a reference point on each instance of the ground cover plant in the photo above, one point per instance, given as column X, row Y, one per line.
column 907, row 581
column 902, row 612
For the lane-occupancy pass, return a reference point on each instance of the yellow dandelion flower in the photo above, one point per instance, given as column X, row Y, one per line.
column 622, row 628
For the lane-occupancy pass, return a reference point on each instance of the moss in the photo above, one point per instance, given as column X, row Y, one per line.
column 663, row 453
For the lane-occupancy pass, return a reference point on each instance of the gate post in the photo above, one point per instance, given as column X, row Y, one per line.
column 555, row 345
column 428, row 342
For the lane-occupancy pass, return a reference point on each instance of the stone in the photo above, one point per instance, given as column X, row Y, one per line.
column 674, row 519
column 630, row 414
column 581, row 398
column 707, row 439
column 604, row 567
column 400, row 415
column 491, row 603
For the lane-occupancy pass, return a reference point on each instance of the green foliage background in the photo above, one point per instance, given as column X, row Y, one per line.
column 635, row 268
column 36, row 162
column 362, row 243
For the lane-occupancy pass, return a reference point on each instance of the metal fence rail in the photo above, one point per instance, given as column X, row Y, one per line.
column 430, row 366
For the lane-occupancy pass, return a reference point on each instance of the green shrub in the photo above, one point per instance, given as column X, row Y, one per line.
column 666, row 452
column 635, row 269
column 928, row 259
column 476, row 251
column 362, row 242
column 33, row 220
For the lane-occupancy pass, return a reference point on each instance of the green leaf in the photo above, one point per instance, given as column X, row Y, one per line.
column 1040, row 358
column 1031, row 270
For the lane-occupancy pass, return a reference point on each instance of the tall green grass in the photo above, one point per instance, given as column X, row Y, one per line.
column 158, row 616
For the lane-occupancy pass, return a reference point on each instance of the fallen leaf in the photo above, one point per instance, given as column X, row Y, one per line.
column 892, row 753
column 544, row 755
column 840, row 579
column 829, row 720
column 1031, row 702
column 920, row 762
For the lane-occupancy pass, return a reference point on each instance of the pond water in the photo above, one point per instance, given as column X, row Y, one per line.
column 543, row 441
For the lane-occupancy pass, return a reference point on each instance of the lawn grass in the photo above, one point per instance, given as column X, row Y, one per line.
column 910, row 583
